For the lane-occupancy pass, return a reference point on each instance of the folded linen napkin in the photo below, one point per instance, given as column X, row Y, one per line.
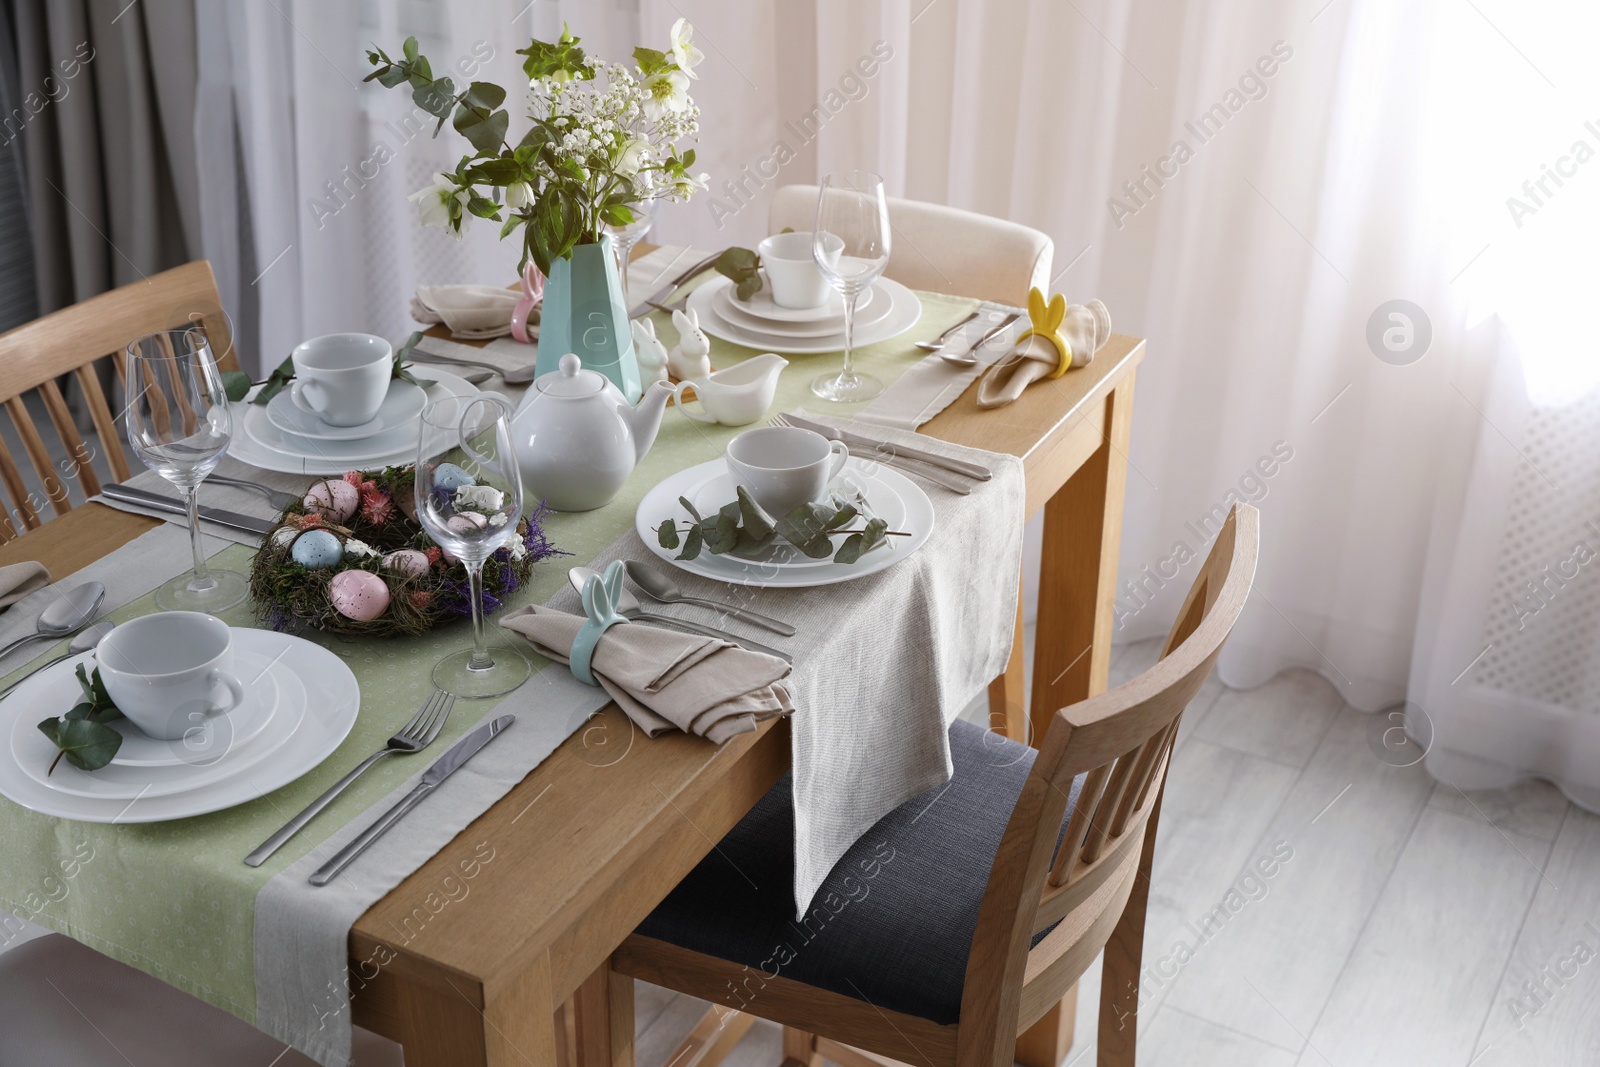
column 21, row 579
column 473, row 312
column 1059, row 334
column 663, row 679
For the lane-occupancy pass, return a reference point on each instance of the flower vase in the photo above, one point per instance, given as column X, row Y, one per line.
column 583, row 313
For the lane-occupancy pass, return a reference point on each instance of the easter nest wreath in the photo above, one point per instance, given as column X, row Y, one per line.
column 351, row 558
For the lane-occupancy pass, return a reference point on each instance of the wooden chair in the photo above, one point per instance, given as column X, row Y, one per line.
column 961, row 918
column 943, row 249
column 73, row 341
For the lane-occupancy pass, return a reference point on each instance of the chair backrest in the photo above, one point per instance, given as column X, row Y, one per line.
column 943, row 249
column 1121, row 742
column 73, row 341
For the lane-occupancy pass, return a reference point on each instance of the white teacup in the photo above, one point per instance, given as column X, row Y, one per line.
column 163, row 671
column 785, row 466
column 342, row 378
column 796, row 280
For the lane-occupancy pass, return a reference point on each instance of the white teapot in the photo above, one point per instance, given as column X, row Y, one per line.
column 577, row 439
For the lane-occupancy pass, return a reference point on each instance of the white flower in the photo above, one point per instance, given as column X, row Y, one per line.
column 433, row 202
column 635, row 154
column 359, row 549
column 689, row 184
column 518, row 549
column 684, row 53
column 667, row 93
column 497, row 519
column 518, row 195
column 479, row 498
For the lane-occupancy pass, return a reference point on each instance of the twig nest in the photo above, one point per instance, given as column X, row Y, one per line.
column 316, row 549
column 407, row 561
column 450, row 476
column 333, row 499
column 358, row 595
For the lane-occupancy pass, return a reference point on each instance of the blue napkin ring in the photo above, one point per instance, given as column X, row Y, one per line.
column 600, row 597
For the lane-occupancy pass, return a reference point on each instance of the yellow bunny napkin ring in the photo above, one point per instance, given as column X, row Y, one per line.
column 1046, row 322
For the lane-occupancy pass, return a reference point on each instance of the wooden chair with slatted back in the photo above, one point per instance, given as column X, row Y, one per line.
column 73, row 341
column 974, row 911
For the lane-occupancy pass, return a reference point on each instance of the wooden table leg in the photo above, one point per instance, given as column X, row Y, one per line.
column 442, row 1021
column 1072, row 645
column 603, row 1007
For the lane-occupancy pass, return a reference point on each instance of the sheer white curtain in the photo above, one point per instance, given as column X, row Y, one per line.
column 1250, row 187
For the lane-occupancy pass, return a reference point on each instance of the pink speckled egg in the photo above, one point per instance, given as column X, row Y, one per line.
column 467, row 521
column 359, row 595
column 334, row 499
column 407, row 561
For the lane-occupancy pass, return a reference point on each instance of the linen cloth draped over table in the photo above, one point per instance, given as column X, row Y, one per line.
column 178, row 903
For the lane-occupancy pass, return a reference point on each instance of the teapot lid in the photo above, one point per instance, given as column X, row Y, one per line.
column 570, row 379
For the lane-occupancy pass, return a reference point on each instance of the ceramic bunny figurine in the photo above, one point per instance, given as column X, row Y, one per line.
column 650, row 352
column 690, row 358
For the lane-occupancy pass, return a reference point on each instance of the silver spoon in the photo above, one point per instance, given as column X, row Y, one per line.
column 658, row 586
column 520, row 376
column 938, row 342
column 969, row 358
column 628, row 606
column 67, row 614
column 84, row 642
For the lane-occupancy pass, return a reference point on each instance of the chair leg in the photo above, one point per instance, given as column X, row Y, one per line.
column 712, row 1038
column 1119, row 972
column 800, row 1049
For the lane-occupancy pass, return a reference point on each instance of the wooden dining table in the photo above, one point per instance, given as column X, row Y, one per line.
column 594, row 838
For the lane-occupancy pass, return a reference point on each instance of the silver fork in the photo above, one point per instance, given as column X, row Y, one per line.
column 413, row 737
column 276, row 498
column 888, row 458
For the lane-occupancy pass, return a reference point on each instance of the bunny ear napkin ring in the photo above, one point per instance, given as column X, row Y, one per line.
column 1045, row 321
column 600, row 597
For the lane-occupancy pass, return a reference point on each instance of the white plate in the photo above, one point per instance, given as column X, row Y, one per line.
column 400, row 407
column 764, row 307
column 211, row 739
column 904, row 312
column 891, row 495
column 875, row 304
column 274, row 450
column 34, row 753
column 321, row 731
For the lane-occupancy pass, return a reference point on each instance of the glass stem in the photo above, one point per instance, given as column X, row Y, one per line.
column 845, row 373
column 481, row 660
column 191, row 500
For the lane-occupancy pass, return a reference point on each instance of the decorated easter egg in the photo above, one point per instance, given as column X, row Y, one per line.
column 359, row 595
column 283, row 536
column 407, row 561
column 334, row 499
column 467, row 522
column 450, row 476
column 316, row 549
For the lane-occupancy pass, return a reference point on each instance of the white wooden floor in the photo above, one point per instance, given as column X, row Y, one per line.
column 1410, row 924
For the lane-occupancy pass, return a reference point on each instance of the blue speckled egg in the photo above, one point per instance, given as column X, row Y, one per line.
column 316, row 549
column 450, row 476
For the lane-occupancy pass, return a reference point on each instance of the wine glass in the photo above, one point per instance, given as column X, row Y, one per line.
column 179, row 423
column 850, row 243
column 624, row 237
column 469, row 499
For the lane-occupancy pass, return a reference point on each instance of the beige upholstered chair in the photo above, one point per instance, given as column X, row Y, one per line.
column 943, row 249
column 959, row 919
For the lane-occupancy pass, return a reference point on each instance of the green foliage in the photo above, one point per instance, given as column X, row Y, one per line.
column 281, row 376
column 81, row 735
column 743, row 268
column 741, row 528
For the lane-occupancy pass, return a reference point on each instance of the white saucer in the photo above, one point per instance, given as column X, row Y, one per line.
column 313, row 668
column 904, row 312
column 209, row 740
column 400, row 407
column 256, row 441
column 34, row 753
column 890, row 495
column 874, row 305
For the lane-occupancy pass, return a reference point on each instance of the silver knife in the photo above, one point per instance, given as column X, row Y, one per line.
column 671, row 287
column 857, row 440
column 442, row 768
column 127, row 494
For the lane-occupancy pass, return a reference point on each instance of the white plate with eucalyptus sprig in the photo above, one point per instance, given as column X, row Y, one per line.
column 889, row 495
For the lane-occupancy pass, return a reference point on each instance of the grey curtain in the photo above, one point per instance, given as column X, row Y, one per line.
column 107, row 127
column 17, row 301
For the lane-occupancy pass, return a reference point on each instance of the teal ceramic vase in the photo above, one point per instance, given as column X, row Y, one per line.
column 583, row 313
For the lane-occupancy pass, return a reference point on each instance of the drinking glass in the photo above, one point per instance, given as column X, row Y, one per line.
column 852, row 208
column 623, row 238
column 469, row 437
column 179, row 424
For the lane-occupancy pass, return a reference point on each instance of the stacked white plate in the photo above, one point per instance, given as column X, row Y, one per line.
column 887, row 309
column 280, row 436
column 300, row 703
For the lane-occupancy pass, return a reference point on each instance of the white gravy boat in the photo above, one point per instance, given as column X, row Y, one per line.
column 737, row 395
